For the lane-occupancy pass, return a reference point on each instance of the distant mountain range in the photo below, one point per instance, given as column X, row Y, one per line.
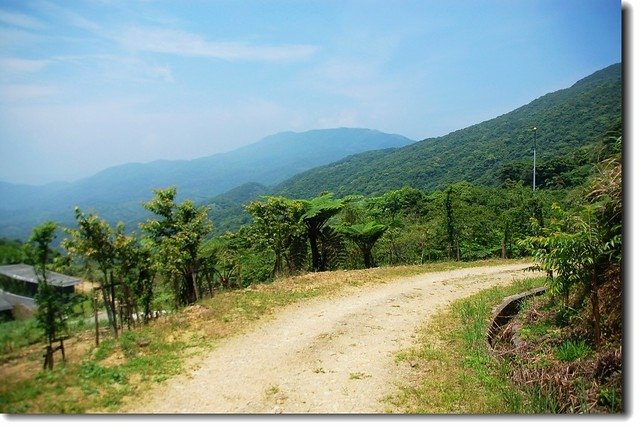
column 343, row 161
column 568, row 122
column 117, row 193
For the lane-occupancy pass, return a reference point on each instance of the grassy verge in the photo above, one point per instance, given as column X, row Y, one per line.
column 102, row 379
column 17, row 334
column 453, row 371
column 557, row 364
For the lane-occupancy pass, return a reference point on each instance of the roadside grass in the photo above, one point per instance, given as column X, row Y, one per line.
column 119, row 372
column 453, row 371
column 17, row 334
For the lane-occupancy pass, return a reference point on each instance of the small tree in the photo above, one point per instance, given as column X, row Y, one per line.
column 176, row 236
column 581, row 248
column 365, row 235
column 52, row 309
column 134, row 272
column 277, row 226
column 144, row 278
column 94, row 242
column 575, row 256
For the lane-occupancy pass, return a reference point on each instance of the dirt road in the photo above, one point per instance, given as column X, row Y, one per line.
column 329, row 355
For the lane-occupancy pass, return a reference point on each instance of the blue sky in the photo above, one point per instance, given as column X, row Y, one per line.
column 85, row 85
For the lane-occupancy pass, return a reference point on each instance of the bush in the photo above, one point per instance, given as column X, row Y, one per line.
column 571, row 351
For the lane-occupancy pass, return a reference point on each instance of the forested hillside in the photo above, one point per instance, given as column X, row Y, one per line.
column 227, row 210
column 486, row 153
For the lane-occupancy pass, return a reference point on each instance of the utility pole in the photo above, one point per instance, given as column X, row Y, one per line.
column 535, row 131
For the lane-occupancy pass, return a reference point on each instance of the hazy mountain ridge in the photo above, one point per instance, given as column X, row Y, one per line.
column 117, row 193
column 343, row 161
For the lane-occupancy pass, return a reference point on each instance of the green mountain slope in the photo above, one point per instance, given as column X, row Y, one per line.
column 566, row 120
column 227, row 211
column 118, row 192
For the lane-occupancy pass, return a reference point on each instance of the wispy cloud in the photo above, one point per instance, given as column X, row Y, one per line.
column 130, row 68
column 20, row 20
column 56, row 11
column 183, row 43
column 20, row 66
column 25, row 92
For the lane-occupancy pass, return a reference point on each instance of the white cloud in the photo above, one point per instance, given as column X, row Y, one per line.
column 178, row 42
column 127, row 68
column 188, row 44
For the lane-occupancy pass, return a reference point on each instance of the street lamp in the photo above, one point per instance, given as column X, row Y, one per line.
column 535, row 131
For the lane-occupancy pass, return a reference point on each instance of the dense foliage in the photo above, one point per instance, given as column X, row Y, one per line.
column 582, row 249
column 11, row 251
column 176, row 235
column 277, row 226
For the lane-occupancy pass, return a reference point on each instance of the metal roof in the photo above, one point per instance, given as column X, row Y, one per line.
column 14, row 299
column 5, row 305
column 22, row 272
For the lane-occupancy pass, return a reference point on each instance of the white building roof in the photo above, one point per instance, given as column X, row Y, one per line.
column 22, row 272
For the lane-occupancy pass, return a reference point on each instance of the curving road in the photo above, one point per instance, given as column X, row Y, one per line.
column 328, row 355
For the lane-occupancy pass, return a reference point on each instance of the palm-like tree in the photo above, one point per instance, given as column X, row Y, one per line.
column 365, row 235
column 318, row 211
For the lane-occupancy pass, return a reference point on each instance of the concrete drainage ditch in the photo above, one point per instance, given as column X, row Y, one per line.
column 505, row 312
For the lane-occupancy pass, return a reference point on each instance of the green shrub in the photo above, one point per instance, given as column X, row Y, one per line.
column 610, row 397
column 570, row 351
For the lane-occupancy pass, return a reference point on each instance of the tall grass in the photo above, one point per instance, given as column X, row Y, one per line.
column 572, row 350
column 17, row 334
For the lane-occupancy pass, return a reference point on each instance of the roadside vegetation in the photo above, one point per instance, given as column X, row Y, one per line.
column 552, row 369
column 563, row 351
column 454, row 372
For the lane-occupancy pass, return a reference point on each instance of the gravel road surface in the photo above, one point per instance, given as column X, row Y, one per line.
column 325, row 355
